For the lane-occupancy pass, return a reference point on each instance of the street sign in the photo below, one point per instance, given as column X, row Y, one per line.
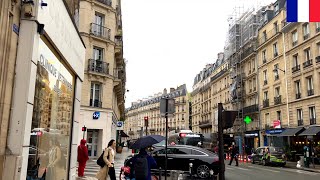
column 96, row 115
column 277, row 124
column 170, row 110
column 120, row 125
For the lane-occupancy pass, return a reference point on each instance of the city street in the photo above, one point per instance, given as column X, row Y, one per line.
column 251, row 171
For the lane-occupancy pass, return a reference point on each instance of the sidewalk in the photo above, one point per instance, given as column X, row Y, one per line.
column 294, row 166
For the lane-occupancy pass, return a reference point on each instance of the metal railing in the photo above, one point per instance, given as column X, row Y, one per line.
column 100, row 31
column 266, row 103
column 305, row 37
column 277, row 100
column 251, row 109
column 265, row 82
column 313, row 121
column 307, row 63
column 298, row 95
column 296, row 68
column 105, row 2
column 98, row 66
column 310, row 92
column 95, row 103
column 276, row 77
column 318, row 59
column 300, row 122
column 294, row 43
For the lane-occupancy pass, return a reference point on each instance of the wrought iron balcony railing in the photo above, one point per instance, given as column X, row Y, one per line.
column 313, row 121
column 95, row 103
column 105, row 2
column 307, row 63
column 98, row 66
column 277, row 100
column 266, row 103
column 100, row 31
column 296, row 68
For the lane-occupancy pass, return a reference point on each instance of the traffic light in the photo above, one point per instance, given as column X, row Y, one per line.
column 146, row 121
column 84, row 128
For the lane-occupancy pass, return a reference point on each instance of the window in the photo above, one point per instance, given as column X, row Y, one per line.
column 264, row 57
column 312, row 115
column 95, row 95
column 294, row 38
column 277, row 91
column 264, row 36
column 276, row 9
column 99, row 19
column 295, row 60
column 275, row 26
column 254, row 84
column 265, row 95
column 276, row 71
column 298, row 89
column 307, row 54
column 279, row 115
column 97, row 53
column 310, row 86
column 275, row 49
column 318, row 27
column 299, row 117
column 267, row 119
column 306, row 31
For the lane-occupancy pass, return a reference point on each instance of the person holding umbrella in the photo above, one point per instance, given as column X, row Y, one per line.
column 142, row 164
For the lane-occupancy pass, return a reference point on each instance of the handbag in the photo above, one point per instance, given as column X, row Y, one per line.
column 100, row 160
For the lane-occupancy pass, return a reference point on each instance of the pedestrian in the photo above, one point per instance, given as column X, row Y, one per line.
column 142, row 165
column 82, row 157
column 234, row 155
column 108, row 157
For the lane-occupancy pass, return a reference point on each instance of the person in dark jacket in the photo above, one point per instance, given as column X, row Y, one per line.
column 234, row 155
column 82, row 157
column 151, row 162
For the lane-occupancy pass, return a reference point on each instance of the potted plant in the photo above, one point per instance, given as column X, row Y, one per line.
column 119, row 147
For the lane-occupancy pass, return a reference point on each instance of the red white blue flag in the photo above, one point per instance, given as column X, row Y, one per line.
column 303, row 10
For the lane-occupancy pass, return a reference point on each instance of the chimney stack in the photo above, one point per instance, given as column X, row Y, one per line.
column 165, row 91
column 172, row 90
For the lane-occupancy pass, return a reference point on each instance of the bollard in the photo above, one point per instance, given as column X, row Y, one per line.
column 190, row 170
column 160, row 173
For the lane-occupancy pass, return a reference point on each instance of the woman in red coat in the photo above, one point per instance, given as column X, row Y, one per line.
column 82, row 157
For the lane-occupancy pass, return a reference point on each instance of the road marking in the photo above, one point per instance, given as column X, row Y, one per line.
column 265, row 169
column 242, row 168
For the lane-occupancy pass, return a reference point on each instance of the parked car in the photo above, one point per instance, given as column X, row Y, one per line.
column 269, row 155
column 204, row 163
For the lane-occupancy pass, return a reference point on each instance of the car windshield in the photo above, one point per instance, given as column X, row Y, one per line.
column 275, row 150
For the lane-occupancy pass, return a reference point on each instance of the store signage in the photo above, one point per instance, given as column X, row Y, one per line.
column 120, row 125
column 252, row 134
column 277, row 124
column 96, row 115
column 274, row 131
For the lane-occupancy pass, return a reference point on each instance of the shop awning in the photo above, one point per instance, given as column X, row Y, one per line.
column 311, row 131
column 292, row 131
column 123, row 134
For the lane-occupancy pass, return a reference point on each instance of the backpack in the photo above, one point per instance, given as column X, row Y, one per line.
column 141, row 168
column 100, row 160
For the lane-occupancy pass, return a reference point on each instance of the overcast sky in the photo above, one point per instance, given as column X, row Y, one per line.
column 167, row 42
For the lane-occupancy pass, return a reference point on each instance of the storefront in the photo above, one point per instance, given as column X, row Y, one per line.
column 271, row 138
column 252, row 141
column 43, row 135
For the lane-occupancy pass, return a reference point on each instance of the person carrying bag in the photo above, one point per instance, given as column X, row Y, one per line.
column 107, row 166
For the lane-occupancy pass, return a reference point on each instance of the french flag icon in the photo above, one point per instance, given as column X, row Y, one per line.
column 303, row 10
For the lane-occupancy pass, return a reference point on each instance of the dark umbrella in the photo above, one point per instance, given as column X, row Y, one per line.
column 147, row 141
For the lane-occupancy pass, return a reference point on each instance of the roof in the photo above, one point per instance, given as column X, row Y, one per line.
column 292, row 131
column 311, row 131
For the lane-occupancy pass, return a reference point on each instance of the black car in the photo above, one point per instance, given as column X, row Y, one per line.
column 269, row 155
column 204, row 163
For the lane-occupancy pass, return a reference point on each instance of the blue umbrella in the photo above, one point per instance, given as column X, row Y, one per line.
column 147, row 141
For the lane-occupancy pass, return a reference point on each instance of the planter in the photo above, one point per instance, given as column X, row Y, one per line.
column 119, row 149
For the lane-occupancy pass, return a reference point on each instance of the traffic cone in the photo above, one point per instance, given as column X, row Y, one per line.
column 245, row 159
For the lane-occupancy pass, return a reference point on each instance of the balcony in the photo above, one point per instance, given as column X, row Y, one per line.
column 305, row 37
column 95, row 103
column 266, row 103
column 296, row 68
column 294, row 43
column 275, row 54
column 318, row 29
column 118, row 73
column 98, row 66
column 205, row 124
column 265, row 82
column 100, row 31
column 152, row 130
column 276, row 77
column 105, row 2
column 251, row 109
column 300, row 122
column 310, row 92
column 318, row 59
column 264, row 61
column 313, row 121
column 307, row 63
column 277, row 100
column 298, row 95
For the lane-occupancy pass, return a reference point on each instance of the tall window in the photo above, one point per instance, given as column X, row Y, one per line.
column 275, row 49
column 254, row 84
column 310, row 86
column 275, row 26
column 276, row 8
column 298, row 89
column 95, row 95
column 98, row 24
column 279, row 115
column 265, row 77
column 264, row 35
column 306, row 31
column 299, row 117
column 295, row 60
column 318, row 27
column 99, row 19
column 312, row 115
column 307, row 54
column 294, row 38
column 97, row 53
column 267, row 119
column 277, row 91
column 265, row 95
column 276, row 72
column 264, row 56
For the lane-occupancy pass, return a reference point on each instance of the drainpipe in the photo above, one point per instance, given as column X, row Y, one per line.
column 286, row 71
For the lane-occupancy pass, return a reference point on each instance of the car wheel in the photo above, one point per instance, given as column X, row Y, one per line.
column 264, row 162
column 252, row 161
column 203, row 171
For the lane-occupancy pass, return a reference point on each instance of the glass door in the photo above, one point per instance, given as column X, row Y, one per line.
column 92, row 143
